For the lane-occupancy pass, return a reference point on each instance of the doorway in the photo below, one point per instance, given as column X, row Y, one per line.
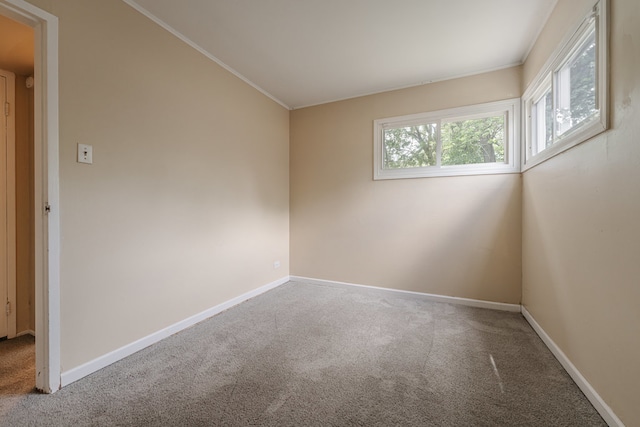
column 17, row 279
column 45, row 222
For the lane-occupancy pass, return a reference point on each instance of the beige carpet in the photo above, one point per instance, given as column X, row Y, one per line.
column 307, row 355
column 17, row 366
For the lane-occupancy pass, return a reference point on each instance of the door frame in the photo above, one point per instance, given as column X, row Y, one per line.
column 10, row 175
column 46, row 189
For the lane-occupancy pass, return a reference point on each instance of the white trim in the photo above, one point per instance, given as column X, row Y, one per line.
column 51, row 196
column 46, row 188
column 515, row 308
column 96, row 364
column 603, row 409
column 27, row 332
column 194, row 45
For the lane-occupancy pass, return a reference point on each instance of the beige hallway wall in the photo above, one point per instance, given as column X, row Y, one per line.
column 580, row 226
column 25, row 279
column 456, row 236
column 186, row 204
column 16, row 55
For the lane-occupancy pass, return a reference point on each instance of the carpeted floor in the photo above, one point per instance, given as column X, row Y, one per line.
column 17, row 366
column 308, row 355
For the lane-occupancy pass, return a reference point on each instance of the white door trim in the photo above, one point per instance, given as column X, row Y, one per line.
column 46, row 183
column 10, row 171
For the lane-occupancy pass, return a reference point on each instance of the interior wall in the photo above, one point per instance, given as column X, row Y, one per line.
column 456, row 236
column 25, row 238
column 186, row 204
column 581, row 229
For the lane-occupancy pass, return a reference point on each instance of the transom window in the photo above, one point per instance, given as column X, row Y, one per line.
column 567, row 102
column 471, row 140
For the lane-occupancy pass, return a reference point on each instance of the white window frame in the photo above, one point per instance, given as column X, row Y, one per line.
column 547, row 78
column 538, row 96
column 510, row 108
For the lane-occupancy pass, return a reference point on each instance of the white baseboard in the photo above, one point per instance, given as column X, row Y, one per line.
column 603, row 409
column 94, row 365
column 27, row 332
column 440, row 298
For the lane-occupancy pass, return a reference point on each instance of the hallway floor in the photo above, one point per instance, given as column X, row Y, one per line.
column 17, row 365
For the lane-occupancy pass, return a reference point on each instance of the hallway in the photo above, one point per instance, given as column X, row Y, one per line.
column 17, row 366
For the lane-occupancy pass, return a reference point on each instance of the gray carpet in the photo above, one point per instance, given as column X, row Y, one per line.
column 308, row 355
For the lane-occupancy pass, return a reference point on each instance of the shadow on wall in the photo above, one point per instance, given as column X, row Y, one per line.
column 475, row 251
column 456, row 236
column 532, row 226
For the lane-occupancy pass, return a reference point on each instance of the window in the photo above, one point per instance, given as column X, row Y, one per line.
column 567, row 102
column 472, row 140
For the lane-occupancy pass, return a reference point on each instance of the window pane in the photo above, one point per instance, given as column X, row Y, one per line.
column 473, row 141
column 576, row 87
column 410, row 146
column 542, row 122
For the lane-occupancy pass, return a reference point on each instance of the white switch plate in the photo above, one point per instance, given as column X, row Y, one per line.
column 85, row 153
column 276, row 264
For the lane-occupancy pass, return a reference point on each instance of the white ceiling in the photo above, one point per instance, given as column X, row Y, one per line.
column 308, row 52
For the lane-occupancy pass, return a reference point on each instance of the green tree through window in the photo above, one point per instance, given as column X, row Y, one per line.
column 464, row 142
column 473, row 141
column 410, row 146
column 583, row 82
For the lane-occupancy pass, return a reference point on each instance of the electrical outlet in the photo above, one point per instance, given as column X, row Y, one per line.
column 276, row 264
column 85, row 153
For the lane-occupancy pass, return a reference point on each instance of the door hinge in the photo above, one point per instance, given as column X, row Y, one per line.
column 8, row 308
column 47, row 208
column 6, row 109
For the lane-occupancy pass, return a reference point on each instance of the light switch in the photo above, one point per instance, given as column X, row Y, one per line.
column 85, row 153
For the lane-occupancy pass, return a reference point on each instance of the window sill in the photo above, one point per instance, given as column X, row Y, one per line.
column 409, row 173
column 577, row 138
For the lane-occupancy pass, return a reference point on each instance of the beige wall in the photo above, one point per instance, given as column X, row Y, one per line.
column 25, row 280
column 451, row 236
column 581, row 264
column 186, row 203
